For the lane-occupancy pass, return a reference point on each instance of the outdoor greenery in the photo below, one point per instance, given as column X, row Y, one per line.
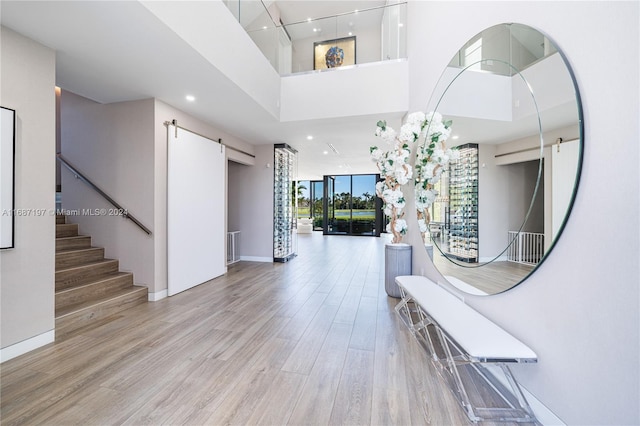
column 348, row 213
column 340, row 202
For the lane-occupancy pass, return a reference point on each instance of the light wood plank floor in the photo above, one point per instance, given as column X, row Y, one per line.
column 311, row 341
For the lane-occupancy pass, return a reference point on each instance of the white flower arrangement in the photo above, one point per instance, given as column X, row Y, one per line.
column 432, row 159
column 396, row 171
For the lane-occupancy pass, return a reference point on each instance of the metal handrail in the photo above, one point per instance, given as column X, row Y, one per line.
column 113, row 202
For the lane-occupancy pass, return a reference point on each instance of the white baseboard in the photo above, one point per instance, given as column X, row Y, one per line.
column 256, row 259
column 28, row 345
column 158, row 295
column 542, row 413
column 502, row 258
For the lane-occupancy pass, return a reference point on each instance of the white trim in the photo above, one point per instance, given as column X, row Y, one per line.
column 256, row 259
column 543, row 414
column 28, row 345
column 158, row 295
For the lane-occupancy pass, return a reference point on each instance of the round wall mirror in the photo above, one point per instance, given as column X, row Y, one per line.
column 514, row 121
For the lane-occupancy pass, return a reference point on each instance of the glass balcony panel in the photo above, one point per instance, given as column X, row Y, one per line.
column 359, row 37
column 512, row 44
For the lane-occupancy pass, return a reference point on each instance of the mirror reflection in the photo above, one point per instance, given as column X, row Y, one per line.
column 516, row 122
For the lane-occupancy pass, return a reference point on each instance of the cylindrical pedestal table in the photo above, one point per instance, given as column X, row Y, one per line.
column 397, row 261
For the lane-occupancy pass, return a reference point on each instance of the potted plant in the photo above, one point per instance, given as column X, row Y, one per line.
column 396, row 171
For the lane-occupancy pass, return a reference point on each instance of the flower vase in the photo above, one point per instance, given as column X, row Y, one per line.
column 397, row 262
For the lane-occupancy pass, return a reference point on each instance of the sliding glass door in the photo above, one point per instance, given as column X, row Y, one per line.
column 351, row 207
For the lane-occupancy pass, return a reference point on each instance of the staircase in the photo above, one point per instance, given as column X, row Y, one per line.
column 89, row 288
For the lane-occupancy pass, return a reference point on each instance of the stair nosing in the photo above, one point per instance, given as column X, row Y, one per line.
column 73, row 236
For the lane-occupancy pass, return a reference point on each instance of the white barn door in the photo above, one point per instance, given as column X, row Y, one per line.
column 195, row 211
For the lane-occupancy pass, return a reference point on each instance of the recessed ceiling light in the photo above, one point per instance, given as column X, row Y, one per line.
column 190, row 98
column 264, row 28
column 401, row 24
column 455, row 137
column 308, row 19
column 350, row 33
column 309, row 137
column 325, row 152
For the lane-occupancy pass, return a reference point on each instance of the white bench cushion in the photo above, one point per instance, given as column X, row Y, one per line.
column 479, row 337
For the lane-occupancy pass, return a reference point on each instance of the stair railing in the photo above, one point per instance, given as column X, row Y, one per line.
column 83, row 178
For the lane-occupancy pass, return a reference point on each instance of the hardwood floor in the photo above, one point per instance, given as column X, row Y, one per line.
column 311, row 341
column 492, row 278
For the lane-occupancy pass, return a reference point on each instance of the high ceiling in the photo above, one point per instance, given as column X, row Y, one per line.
column 111, row 51
column 116, row 51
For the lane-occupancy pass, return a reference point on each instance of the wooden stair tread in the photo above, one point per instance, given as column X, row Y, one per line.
column 79, row 241
column 95, row 280
column 74, row 237
column 72, row 249
column 72, row 309
column 76, row 249
column 86, row 264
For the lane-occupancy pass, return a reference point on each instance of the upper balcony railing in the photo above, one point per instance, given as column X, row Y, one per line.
column 503, row 49
column 371, row 35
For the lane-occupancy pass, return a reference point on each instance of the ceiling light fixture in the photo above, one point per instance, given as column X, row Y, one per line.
column 190, row 98
column 455, row 137
column 309, row 137
column 325, row 152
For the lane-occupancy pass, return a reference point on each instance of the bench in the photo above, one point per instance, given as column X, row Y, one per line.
column 466, row 348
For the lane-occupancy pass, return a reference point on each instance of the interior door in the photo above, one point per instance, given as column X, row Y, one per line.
column 196, row 238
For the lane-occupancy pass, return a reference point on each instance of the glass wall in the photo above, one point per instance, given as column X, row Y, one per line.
column 309, row 198
column 322, row 43
column 352, row 207
column 303, row 198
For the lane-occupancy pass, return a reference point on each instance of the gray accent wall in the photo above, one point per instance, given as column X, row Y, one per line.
column 27, row 271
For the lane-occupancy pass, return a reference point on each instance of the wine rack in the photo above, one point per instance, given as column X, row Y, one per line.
column 284, row 218
column 463, row 205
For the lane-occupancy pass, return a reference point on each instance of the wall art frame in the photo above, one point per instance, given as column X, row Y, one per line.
column 334, row 53
column 7, row 177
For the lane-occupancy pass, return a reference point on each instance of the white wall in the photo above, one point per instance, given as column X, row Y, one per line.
column 212, row 30
column 27, row 271
column 112, row 145
column 579, row 311
column 493, row 199
column 346, row 92
column 251, row 195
